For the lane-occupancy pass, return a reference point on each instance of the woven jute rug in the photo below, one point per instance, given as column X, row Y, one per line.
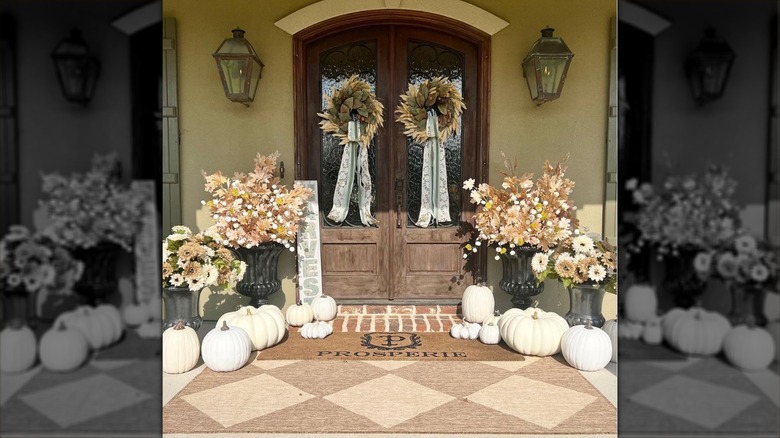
column 387, row 346
column 489, row 391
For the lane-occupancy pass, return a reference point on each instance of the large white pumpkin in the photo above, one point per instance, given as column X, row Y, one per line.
column 532, row 331
column 63, row 349
column 97, row 326
column 324, row 308
column 478, row 303
column 586, row 348
column 699, row 332
column 640, row 303
column 180, row 349
column 611, row 329
column 18, row 349
column 749, row 348
column 299, row 314
column 265, row 325
column 226, row 348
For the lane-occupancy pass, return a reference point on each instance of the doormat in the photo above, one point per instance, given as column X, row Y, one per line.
column 534, row 396
column 387, row 346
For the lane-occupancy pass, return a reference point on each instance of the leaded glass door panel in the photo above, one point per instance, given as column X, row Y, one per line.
column 394, row 259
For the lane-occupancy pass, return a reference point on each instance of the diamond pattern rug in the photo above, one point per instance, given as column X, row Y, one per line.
column 532, row 396
column 696, row 396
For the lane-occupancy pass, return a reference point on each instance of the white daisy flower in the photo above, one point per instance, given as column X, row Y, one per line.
column 181, row 229
column 702, row 262
column 745, row 244
column 176, row 280
column 197, row 284
column 14, row 280
column 759, row 273
column 582, row 244
column 597, row 273
column 469, row 184
column 539, row 262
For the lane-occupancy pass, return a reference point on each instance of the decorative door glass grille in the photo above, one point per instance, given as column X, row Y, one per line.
column 336, row 66
column 426, row 61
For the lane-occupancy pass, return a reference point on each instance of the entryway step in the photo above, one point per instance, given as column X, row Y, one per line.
column 389, row 318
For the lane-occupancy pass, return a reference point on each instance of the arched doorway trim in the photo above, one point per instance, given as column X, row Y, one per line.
column 455, row 9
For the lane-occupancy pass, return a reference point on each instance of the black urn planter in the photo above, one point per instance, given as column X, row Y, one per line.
column 181, row 304
column 99, row 278
column 747, row 301
column 518, row 278
column 260, row 279
column 681, row 279
column 586, row 300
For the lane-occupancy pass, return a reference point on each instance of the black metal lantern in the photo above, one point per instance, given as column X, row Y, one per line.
column 545, row 67
column 239, row 68
column 77, row 68
column 708, row 67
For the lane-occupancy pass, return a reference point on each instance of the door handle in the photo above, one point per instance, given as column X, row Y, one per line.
column 399, row 200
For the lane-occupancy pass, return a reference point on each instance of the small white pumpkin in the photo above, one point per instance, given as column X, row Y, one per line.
column 135, row 315
column 63, row 349
column 611, row 328
column 586, row 348
column 324, row 308
column 226, row 348
column 631, row 330
column 265, row 325
column 299, row 314
column 180, row 349
column 640, row 303
column 532, row 331
column 18, row 349
column 748, row 347
column 316, row 330
column 465, row 330
column 489, row 334
column 494, row 318
column 478, row 303
column 653, row 333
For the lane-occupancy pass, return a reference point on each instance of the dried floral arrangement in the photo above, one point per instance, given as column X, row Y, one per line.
column 87, row 209
column 199, row 260
column 580, row 259
column 523, row 212
column 353, row 98
column 255, row 208
column 438, row 94
column 690, row 213
column 34, row 262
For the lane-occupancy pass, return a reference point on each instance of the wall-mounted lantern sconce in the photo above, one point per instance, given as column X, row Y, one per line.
column 77, row 68
column 239, row 68
column 708, row 67
column 545, row 67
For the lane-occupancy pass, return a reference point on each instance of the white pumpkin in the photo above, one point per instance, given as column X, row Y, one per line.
column 699, row 332
column 324, row 308
column 640, row 303
column 532, row 331
column 631, row 330
column 668, row 319
column 265, row 325
column 489, row 334
column 465, row 330
column 18, row 349
column 611, row 328
column 299, row 314
column 96, row 326
column 478, row 303
column 113, row 315
column 749, row 348
column 226, row 348
column 494, row 318
column 586, row 348
column 316, row 330
column 63, row 349
column 135, row 315
column 180, row 349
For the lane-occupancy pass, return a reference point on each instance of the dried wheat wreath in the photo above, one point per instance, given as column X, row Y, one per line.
column 353, row 96
column 437, row 94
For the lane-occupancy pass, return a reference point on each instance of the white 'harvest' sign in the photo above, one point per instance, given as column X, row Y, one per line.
column 309, row 266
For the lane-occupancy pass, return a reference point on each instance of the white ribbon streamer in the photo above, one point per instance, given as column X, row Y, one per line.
column 434, row 198
column 354, row 163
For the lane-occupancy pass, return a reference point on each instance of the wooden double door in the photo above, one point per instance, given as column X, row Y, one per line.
column 395, row 259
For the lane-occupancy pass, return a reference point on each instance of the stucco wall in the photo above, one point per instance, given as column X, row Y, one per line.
column 219, row 135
